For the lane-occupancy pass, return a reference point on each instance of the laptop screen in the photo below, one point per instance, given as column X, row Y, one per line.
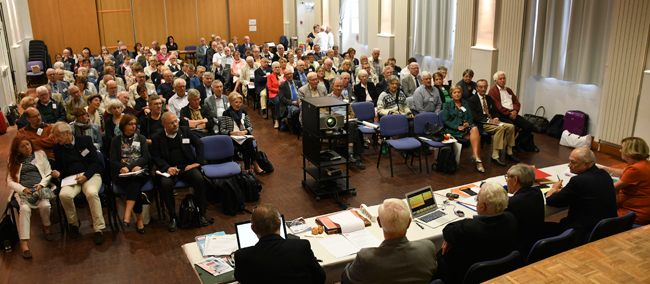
column 421, row 201
column 247, row 238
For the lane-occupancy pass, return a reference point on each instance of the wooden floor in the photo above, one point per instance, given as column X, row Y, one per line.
column 127, row 256
column 623, row 258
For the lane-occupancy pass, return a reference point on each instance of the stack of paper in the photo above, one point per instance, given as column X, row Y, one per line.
column 200, row 240
column 347, row 221
column 349, row 243
column 132, row 173
column 241, row 138
column 220, row 245
column 214, row 266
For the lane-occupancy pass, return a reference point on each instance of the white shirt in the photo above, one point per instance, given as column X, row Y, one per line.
column 208, row 91
column 217, row 57
column 506, row 98
column 227, row 60
column 220, row 106
column 322, row 39
column 176, row 103
column 330, row 40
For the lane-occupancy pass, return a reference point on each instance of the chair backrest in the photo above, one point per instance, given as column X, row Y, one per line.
column 550, row 246
column 218, row 147
column 393, row 125
column 34, row 63
column 486, row 270
column 440, row 119
column 421, row 119
column 363, row 110
column 190, row 47
column 612, row 226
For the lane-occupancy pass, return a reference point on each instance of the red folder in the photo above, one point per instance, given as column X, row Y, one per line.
column 540, row 175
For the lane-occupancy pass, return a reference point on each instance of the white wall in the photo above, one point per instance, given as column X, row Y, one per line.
column 19, row 32
column 558, row 97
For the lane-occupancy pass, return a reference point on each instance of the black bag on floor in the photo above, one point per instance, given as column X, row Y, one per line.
column 527, row 143
column 446, row 161
column 232, row 199
column 556, row 126
column 189, row 215
column 249, row 185
column 264, row 163
column 8, row 230
column 540, row 123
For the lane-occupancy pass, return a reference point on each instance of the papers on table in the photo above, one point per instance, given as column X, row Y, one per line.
column 347, row 221
column 220, row 245
column 163, row 174
column 240, row 138
column 200, row 240
column 349, row 243
column 132, row 173
column 69, row 181
column 215, row 266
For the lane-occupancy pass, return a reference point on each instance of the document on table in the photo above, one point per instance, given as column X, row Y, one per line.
column 362, row 239
column 220, row 245
column 132, row 173
column 240, row 138
column 347, row 221
column 339, row 246
column 69, row 181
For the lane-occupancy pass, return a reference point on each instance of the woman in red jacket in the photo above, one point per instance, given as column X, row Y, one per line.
column 273, row 85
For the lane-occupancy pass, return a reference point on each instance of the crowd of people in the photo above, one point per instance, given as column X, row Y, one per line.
column 145, row 111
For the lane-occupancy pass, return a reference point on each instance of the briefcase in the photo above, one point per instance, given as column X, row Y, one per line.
column 576, row 122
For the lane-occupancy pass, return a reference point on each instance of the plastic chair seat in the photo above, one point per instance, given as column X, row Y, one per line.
column 34, row 74
column 367, row 130
column 407, row 143
column 224, row 170
column 434, row 143
column 181, row 184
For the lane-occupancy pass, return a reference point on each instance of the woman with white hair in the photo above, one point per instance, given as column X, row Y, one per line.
column 115, row 107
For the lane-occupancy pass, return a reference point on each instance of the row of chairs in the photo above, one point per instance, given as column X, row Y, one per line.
column 544, row 248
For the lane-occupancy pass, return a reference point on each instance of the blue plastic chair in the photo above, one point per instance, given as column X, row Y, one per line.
column 190, row 48
column 612, row 226
column 418, row 127
column 396, row 125
column 365, row 111
column 219, row 147
column 550, row 246
column 485, row 270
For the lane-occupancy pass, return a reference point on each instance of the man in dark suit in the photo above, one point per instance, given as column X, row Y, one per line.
column 205, row 89
column 365, row 86
column 124, row 53
column 300, row 74
column 279, row 54
column 483, row 110
column 58, row 86
column 260, row 81
column 171, row 152
column 527, row 204
column 396, row 260
column 288, row 94
column 77, row 156
column 382, row 86
column 590, row 196
column 293, row 259
column 490, row 235
column 166, row 89
column 242, row 47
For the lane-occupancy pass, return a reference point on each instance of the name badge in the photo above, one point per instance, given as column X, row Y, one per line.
column 431, row 99
column 65, row 90
column 186, row 140
column 463, row 109
column 84, row 152
column 135, row 144
column 474, row 91
column 53, row 106
column 39, row 131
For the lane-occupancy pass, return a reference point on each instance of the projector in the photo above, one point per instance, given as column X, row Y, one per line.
column 329, row 121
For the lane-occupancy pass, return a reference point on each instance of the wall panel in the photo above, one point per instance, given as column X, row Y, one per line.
column 46, row 26
column 81, row 30
column 464, row 35
column 149, row 18
column 115, row 22
column 213, row 19
column 268, row 15
column 181, row 22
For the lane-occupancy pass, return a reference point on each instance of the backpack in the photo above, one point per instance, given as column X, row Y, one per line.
column 556, row 126
column 446, row 161
column 249, row 184
column 434, row 132
column 188, row 215
column 264, row 163
column 527, row 143
column 232, row 199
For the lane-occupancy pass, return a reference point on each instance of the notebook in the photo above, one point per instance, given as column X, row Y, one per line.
column 247, row 238
column 423, row 206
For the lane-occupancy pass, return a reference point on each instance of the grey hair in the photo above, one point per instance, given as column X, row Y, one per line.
column 200, row 68
column 328, row 60
column 413, row 63
column 497, row 74
column 165, row 115
column 362, row 72
column 524, row 173
column 275, row 64
column 375, row 49
column 208, row 73
column 394, row 216
column 177, row 81
column 215, row 82
column 586, row 155
column 391, row 78
column 279, row 45
column 344, row 74
column 113, row 104
column 250, row 58
column 62, row 127
column 387, row 68
column 483, row 80
column 425, row 74
column 58, row 65
column 42, row 89
column 192, row 93
column 191, row 66
column 494, row 196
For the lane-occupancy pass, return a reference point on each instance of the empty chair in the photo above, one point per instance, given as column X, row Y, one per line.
column 190, row 57
column 486, row 270
column 612, row 226
column 219, row 147
column 365, row 111
column 396, row 125
column 418, row 127
column 550, row 246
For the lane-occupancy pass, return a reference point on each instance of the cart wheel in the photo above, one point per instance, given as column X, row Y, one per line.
column 317, row 198
column 354, row 193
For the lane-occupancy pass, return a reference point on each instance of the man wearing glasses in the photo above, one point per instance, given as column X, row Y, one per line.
column 40, row 133
column 51, row 110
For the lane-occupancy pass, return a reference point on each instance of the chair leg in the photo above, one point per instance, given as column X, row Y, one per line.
column 379, row 158
column 420, row 158
column 426, row 159
column 390, row 156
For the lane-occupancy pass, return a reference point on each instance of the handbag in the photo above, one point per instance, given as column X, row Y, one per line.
column 8, row 230
column 540, row 123
column 574, row 141
column 434, row 132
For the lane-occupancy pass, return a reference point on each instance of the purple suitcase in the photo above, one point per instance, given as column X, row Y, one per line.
column 576, row 122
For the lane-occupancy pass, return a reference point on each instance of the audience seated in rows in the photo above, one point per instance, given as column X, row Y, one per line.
column 456, row 117
column 199, row 118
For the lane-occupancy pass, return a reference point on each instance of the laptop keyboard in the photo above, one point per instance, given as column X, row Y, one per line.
column 434, row 215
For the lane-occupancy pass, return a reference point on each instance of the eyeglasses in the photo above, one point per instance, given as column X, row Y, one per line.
column 507, row 176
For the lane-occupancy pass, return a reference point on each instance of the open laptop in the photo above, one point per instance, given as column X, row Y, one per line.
column 247, row 238
column 423, row 206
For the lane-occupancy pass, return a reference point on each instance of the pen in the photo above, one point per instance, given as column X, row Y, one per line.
column 558, row 178
column 419, row 225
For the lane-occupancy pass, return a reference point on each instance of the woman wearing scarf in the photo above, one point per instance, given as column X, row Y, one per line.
column 235, row 122
column 94, row 113
column 83, row 126
column 130, row 153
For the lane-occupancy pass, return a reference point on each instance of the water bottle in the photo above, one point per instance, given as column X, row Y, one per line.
column 7, row 245
column 384, row 151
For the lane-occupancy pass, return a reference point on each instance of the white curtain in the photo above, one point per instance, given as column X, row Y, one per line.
column 432, row 23
column 363, row 22
column 570, row 41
